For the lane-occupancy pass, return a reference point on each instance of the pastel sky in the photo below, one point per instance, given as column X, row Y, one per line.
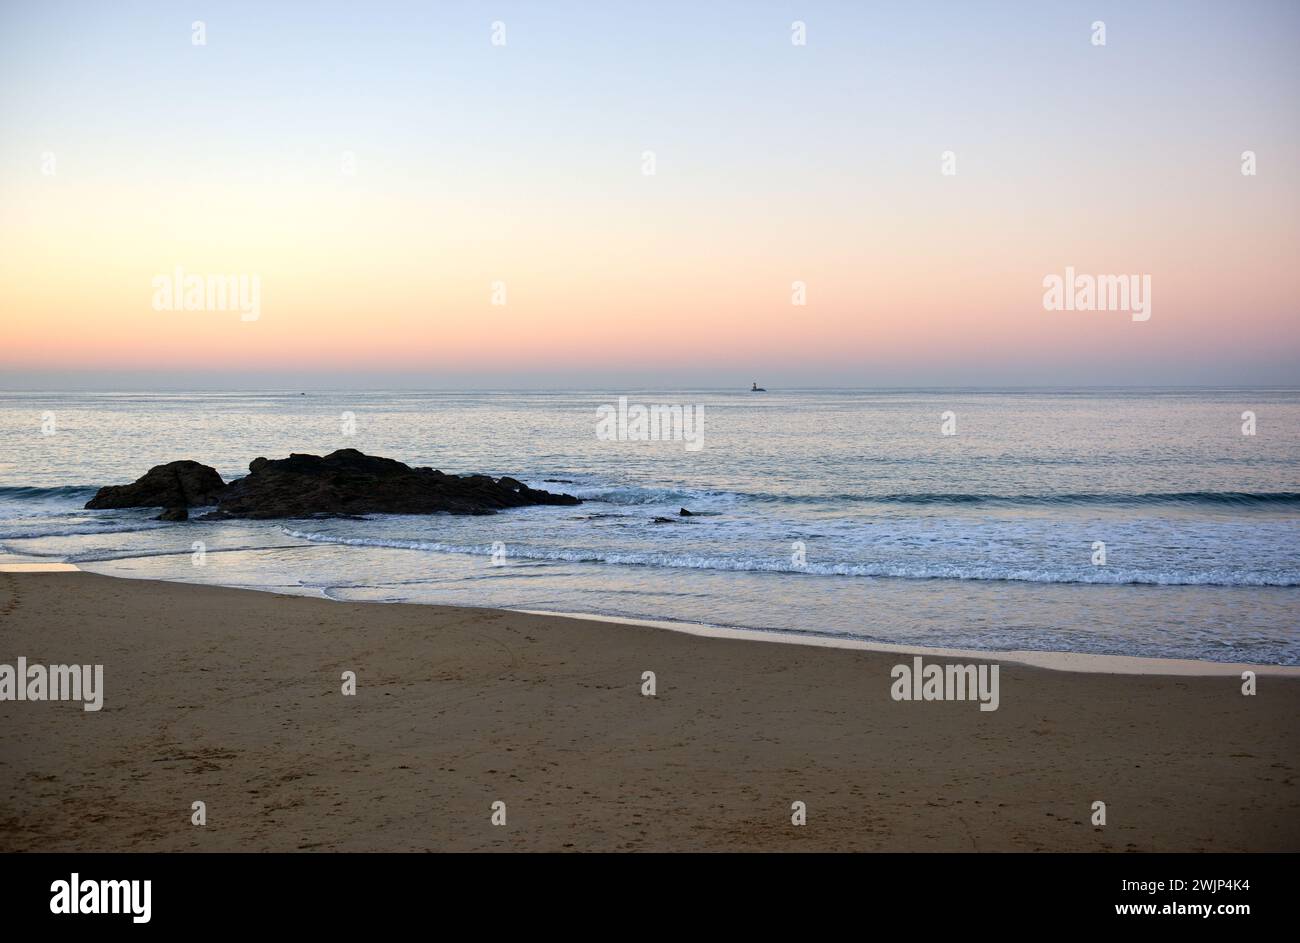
column 127, row 151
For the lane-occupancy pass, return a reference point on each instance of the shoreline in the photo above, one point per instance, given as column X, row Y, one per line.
column 1079, row 662
column 233, row 698
column 1052, row 660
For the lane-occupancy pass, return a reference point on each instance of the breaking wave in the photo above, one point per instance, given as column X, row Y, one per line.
column 1112, row 576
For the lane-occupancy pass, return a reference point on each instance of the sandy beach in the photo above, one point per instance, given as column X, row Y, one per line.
column 233, row 698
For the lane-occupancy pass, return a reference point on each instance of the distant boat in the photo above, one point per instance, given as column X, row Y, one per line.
column 756, row 388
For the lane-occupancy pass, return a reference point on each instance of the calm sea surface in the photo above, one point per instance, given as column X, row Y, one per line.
column 841, row 513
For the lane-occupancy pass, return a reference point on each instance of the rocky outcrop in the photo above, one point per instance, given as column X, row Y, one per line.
column 174, row 485
column 349, row 482
column 346, row 482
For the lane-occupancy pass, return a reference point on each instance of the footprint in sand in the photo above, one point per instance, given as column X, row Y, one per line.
column 12, row 597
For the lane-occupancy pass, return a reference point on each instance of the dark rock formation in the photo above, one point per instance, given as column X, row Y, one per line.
column 343, row 483
column 174, row 485
column 174, row 514
column 351, row 482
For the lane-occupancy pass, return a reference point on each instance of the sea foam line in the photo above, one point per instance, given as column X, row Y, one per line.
column 1106, row 577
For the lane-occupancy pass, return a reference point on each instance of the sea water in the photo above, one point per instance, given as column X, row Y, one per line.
column 1131, row 522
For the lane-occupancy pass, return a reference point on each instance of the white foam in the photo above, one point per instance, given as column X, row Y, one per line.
column 1097, row 576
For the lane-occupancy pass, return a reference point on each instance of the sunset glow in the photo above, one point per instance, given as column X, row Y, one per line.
column 385, row 179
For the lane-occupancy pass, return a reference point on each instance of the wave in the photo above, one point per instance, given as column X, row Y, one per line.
column 939, row 571
column 28, row 493
column 633, row 495
column 1221, row 498
column 88, row 529
column 109, row 556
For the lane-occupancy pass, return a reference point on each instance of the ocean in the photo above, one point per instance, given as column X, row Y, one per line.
column 1129, row 522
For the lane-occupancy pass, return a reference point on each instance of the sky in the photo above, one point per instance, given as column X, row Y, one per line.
column 389, row 173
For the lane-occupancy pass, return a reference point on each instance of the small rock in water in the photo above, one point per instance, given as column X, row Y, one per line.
column 174, row 514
